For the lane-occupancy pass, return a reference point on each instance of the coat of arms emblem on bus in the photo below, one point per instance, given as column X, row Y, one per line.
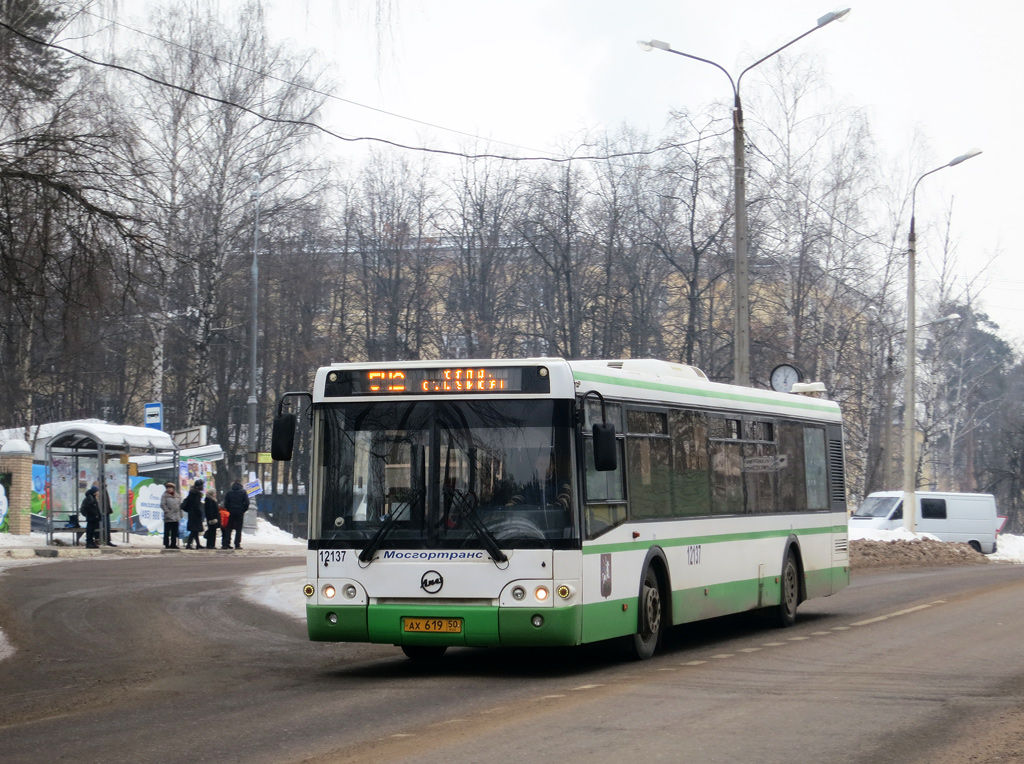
column 431, row 582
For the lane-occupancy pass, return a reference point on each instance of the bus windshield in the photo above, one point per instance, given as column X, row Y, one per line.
column 876, row 506
column 448, row 474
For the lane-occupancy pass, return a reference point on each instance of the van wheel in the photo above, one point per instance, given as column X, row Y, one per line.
column 422, row 653
column 975, row 546
column 649, row 620
column 789, row 594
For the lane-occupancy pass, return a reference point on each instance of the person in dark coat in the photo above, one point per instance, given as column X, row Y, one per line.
column 192, row 505
column 212, row 510
column 106, row 510
column 235, row 502
column 90, row 510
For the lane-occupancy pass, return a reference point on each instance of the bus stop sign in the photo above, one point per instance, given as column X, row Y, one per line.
column 154, row 415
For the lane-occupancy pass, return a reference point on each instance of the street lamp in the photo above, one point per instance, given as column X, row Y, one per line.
column 253, row 325
column 909, row 416
column 741, row 319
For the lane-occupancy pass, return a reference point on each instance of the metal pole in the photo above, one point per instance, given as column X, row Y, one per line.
column 254, row 327
column 741, row 319
column 909, row 423
column 909, row 416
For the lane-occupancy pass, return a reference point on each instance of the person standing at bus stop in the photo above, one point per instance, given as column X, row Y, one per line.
column 106, row 510
column 236, row 503
column 90, row 509
column 171, row 506
column 192, row 505
column 212, row 511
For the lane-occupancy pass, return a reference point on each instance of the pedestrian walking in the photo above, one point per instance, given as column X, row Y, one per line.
column 171, row 506
column 212, row 511
column 236, row 502
column 90, row 510
column 192, row 505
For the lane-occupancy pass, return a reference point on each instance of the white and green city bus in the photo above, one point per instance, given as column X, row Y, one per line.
column 551, row 502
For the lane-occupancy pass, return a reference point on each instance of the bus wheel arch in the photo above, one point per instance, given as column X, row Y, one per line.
column 653, row 605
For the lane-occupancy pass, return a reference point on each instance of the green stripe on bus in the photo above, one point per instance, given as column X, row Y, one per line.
column 488, row 626
column 627, row 546
column 799, row 403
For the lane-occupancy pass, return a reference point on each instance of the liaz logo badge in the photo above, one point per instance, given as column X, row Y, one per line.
column 431, row 582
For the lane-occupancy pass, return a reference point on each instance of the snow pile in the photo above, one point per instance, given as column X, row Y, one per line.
column 1008, row 549
column 879, row 549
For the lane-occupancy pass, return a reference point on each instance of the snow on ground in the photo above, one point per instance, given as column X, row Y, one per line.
column 266, row 535
column 1009, row 548
column 279, row 590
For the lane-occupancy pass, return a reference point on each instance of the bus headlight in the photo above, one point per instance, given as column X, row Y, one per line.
column 329, row 592
column 518, row 593
column 537, row 621
column 349, row 592
column 541, row 593
column 308, row 590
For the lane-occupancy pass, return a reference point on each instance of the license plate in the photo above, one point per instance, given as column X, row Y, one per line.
column 432, row 625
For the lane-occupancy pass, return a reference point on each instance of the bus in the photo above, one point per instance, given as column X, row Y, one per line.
column 547, row 502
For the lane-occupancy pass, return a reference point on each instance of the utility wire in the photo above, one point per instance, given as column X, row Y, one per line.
column 292, row 83
column 326, row 131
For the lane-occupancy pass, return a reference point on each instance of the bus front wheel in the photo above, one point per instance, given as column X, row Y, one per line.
column 649, row 620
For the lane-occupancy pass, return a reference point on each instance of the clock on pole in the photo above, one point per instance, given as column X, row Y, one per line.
column 784, row 376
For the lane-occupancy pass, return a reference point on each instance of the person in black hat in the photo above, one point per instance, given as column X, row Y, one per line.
column 90, row 510
column 192, row 505
column 236, row 502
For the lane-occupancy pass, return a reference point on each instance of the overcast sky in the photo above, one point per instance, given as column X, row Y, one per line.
column 538, row 73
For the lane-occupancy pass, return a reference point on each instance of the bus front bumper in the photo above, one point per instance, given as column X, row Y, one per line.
column 480, row 626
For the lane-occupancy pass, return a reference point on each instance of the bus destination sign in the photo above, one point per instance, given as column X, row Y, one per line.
column 447, row 380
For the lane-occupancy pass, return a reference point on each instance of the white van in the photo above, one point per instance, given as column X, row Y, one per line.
column 966, row 517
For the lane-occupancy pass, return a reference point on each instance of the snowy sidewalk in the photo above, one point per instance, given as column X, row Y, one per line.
column 267, row 539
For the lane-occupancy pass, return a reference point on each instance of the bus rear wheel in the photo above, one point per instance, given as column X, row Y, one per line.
column 789, row 594
column 649, row 620
column 424, row 652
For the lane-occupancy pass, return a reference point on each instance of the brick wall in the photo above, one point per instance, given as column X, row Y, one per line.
column 19, row 514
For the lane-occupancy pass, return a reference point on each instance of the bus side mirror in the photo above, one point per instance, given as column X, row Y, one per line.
column 605, row 451
column 282, row 438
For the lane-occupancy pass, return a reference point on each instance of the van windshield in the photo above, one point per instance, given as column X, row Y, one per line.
column 876, row 506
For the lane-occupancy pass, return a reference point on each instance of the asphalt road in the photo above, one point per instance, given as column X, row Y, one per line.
column 156, row 659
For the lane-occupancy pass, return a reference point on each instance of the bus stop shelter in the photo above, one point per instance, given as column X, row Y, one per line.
column 84, row 454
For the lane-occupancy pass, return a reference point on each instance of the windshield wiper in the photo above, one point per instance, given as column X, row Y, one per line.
column 468, row 513
column 378, row 538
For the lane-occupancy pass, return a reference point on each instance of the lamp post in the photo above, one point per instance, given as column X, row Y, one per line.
column 254, row 326
column 741, row 277
column 909, row 416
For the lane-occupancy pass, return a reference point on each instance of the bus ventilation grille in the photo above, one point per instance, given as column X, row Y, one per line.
column 837, row 470
column 843, row 545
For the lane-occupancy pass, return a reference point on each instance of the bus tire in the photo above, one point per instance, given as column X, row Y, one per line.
column 789, row 592
column 650, row 619
column 423, row 653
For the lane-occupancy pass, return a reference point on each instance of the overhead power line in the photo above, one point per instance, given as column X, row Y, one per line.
column 322, row 129
column 292, row 83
